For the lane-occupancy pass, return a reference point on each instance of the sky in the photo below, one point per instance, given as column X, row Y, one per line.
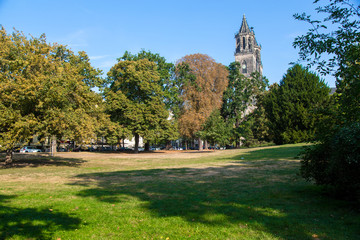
column 106, row 29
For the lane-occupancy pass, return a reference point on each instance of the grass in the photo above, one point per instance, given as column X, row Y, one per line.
column 233, row 194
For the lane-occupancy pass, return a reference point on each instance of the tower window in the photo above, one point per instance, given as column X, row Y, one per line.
column 244, row 67
column 244, row 45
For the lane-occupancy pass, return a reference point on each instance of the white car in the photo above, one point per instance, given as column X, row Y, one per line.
column 29, row 149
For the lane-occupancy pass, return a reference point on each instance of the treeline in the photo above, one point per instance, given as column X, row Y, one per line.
column 46, row 90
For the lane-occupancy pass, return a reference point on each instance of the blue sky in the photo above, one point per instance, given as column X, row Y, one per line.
column 106, row 29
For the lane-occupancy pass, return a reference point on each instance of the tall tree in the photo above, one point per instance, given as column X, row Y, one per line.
column 337, row 51
column 169, row 89
column 135, row 99
column 334, row 159
column 289, row 106
column 239, row 97
column 203, row 82
column 41, row 93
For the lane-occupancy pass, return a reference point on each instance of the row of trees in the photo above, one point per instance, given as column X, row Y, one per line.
column 46, row 90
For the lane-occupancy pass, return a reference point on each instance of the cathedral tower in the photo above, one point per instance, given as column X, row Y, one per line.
column 247, row 51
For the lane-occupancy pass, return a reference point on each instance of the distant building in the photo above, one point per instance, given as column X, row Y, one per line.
column 247, row 51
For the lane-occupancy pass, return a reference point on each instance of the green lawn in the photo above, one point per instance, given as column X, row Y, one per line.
column 233, row 194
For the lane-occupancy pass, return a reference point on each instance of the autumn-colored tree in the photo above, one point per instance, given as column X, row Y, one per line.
column 135, row 99
column 202, row 83
column 43, row 93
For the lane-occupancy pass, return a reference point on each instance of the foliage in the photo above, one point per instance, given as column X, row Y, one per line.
column 336, row 161
column 201, row 83
column 169, row 92
column 335, row 51
column 135, row 99
column 239, row 98
column 166, row 71
column 44, row 92
column 289, row 106
column 215, row 130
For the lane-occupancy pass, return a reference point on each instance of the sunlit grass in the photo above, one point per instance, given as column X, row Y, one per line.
column 238, row 194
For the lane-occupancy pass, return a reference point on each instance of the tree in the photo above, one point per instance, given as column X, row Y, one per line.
column 333, row 161
column 335, row 51
column 165, row 71
column 201, row 82
column 239, row 97
column 170, row 93
column 42, row 93
column 135, row 98
column 215, row 130
column 289, row 106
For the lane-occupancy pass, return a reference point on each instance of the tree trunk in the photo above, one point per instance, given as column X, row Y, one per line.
column 136, row 149
column 237, row 139
column 53, row 145
column 147, row 147
column 206, row 144
column 9, row 157
column 200, row 144
column 168, row 145
column 186, row 145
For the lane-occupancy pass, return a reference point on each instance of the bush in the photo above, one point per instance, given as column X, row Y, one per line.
column 335, row 162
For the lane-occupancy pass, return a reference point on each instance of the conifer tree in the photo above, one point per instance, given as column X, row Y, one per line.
column 289, row 106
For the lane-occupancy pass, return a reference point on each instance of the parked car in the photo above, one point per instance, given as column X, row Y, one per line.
column 29, row 149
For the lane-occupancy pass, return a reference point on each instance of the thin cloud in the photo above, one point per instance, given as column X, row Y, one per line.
column 98, row 57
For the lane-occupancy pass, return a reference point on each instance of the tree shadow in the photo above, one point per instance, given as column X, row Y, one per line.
column 277, row 153
column 38, row 160
column 31, row 223
column 239, row 195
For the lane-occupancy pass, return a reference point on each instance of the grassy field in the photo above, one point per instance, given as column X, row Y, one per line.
column 231, row 194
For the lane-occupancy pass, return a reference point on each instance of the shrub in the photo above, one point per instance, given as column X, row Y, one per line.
column 335, row 162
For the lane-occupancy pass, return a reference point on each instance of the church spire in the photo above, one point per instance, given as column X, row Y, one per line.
column 247, row 51
column 244, row 26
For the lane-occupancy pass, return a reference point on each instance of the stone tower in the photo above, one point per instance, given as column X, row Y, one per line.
column 247, row 51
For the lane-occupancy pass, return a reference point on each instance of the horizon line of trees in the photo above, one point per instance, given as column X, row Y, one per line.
column 47, row 90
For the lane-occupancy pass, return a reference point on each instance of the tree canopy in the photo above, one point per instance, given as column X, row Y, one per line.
column 334, row 159
column 240, row 96
column 289, row 106
column 337, row 51
column 135, row 99
column 202, row 82
column 45, row 92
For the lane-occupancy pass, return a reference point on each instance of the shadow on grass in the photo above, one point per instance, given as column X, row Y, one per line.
column 263, row 199
column 31, row 223
column 38, row 160
column 272, row 153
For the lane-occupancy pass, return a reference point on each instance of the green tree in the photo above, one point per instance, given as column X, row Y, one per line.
column 335, row 52
column 43, row 94
column 333, row 160
column 135, row 99
column 239, row 97
column 170, row 93
column 215, row 130
column 289, row 106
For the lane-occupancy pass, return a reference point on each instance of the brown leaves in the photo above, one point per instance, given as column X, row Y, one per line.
column 202, row 95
